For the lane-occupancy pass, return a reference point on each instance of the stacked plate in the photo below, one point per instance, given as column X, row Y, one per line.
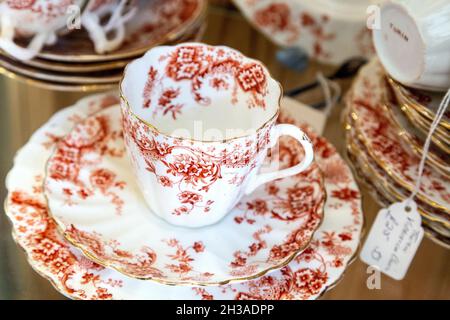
column 83, row 223
column 72, row 63
column 387, row 124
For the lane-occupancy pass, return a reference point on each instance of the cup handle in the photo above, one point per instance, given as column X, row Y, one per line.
column 21, row 53
column 300, row 136
column 116, row 23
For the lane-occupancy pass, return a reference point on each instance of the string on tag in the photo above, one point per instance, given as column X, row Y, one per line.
column 331, row 91
column 439, row 114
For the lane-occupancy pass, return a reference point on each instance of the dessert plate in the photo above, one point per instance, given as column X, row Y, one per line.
column 382, row 143
column 157, row 21
column 94, row 198
column 308, row 276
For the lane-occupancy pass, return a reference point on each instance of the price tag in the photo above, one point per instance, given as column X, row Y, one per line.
column 394, row 239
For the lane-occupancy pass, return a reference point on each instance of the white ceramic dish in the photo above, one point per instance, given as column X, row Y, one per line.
column 93, row 196
column 307, row 277
column 329, row 31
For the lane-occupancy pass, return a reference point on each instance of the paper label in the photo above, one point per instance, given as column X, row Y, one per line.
column 394, row 239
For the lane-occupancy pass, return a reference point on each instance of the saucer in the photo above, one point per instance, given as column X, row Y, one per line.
column 58, row 86
column 435, row 231
column 376, row 132
column 103, row 77
column 94, row 198
column 383, row 182
column 437, row 157
column 329, row 31
column 424, row 125
column 308, row 276
column 75, row 68
column 193, row 34
column 424, row 102
column 157, row 21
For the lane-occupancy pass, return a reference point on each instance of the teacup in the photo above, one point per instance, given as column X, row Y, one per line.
column 40, row 19
column 119, row 13
column 198, row 121
column 413, row 42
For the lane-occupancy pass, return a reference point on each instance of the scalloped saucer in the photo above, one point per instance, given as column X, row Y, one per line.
column 308, row 276
column 93, row 196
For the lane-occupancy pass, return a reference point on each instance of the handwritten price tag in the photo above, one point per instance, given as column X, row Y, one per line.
column 394, row 239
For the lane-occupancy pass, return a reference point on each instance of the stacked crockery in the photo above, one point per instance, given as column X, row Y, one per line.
column 391, row 107
column 140, row 191
column 83, row 45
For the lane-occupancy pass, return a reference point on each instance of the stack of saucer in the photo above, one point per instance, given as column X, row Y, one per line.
column 77, row 61
column 392, row 104
column 115, row 208
column 387, row 124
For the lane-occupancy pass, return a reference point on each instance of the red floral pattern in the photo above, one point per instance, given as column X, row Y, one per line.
column 328, row 255
column 189, row 167
column 275, row 16
column 162, row 18
column 278, row 18
column 294, row 24
column 20, row 4
column 42, row 10
column 384, row 179
column 381, row 140
column 190, row 171
column 75, row 151
column 306, row 282
column 226, row 70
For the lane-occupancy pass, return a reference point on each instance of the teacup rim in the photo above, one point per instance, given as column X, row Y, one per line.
column 161, row 132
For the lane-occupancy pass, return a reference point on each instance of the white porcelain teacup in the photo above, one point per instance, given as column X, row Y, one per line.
column 40, row 19
column 118, row 12
column 198, row 121
column 413, row 42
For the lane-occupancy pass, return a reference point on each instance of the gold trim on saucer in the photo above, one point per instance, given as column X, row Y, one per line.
column 195, row 34
column 70, row 79
column 383, row 184
column 178, row 32
column 86, row 251
column 423, row 110
column 432, row 159
column 90, row 256
column 383, row 181
column 383, row 164
column 436, row 237
column 384, row 198
column 422, row 124
column 58, row 86
column 75, row 67
column 64, row 292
